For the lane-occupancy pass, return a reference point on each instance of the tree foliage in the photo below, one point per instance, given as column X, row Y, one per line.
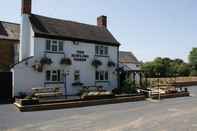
column 166, row 67
column 193, row 57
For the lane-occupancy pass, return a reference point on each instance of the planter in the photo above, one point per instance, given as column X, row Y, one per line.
column 24, row 102
column 97, row 95
column 171, row 95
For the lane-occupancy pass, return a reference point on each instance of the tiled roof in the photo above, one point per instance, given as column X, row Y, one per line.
column 56, row 28
column 9, row 31
column 127, row 57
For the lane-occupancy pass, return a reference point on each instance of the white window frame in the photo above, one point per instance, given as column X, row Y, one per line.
column 54, row 73
column 102, row 74
column 77, row 74
column 101, row 50
column 54, row 44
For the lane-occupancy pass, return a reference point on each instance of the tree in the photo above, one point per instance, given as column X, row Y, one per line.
column 166, row 67
column 193, row 61
column 193, row 58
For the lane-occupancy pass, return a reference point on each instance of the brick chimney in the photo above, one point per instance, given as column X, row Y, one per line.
column 26, row 7
column 102, row 21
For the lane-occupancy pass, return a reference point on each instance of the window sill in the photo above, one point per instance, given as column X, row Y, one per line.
column 102, row 81
column 77, row 84
column 101, row 55
column 54, row 82
column 51, row 52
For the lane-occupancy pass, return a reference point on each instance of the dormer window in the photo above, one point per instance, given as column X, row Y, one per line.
column 54, row 46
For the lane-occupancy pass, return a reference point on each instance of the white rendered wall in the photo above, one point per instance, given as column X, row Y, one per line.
column 26, row 38
column 25, row 78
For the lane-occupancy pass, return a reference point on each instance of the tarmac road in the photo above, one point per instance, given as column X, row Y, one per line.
column 177, row 114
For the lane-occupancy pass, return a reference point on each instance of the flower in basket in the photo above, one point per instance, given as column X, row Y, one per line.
column 111, row 64
column 96, row 63
column 45, row 61
column 65, row 61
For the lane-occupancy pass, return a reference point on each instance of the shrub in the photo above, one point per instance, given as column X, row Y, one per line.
column 116, row 91
column 128, row 87
column 83, row 90
column 29, row 97
column 22, row 95
column 193, row 73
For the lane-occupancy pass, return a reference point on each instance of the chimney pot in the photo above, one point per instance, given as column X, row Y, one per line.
column 26, row 6
column 102, row 21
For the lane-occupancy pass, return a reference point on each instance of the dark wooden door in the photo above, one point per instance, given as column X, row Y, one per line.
column 5, row 86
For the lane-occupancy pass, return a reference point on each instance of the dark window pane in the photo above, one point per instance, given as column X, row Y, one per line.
column 97, row 50
column 102, row 75
column 48, row 75
column 106, row 50
column 61, row 46
column 101, row 50
column 106, row 75
column 77, row 76
column 97, row 75
column 54, row 76
column 54, row 46
column 58, row 75
column 48, row 45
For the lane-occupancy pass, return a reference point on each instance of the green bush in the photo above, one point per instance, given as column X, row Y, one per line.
column 22, row 95
column 116, row 91
column 128, row 87
column 193, row 73
column 29, row 97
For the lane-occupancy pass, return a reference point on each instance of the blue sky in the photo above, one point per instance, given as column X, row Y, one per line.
column 148, row 28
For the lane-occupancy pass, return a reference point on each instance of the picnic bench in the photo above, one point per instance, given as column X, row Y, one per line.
column 47, row 92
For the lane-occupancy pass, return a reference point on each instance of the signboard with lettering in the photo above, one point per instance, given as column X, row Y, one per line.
column 80, row 56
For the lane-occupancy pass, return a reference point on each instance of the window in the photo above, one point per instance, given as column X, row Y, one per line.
column 61, row 45
column 101, row 76
column 106, row 75
column 106, row 50
column 54, row 45
column 97, row 75
column 97, row 50
column 77, row 76
column 101, row 50
column 48, row 75
column 75, row 42
column 48, row 45
column 55, row 76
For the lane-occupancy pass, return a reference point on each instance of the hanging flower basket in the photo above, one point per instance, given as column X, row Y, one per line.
column 111, row 64
column 65, row 61
column 45, row 61
column 37, row 67
column 96, row 63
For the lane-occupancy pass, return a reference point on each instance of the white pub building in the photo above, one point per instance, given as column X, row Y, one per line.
column 64, row 54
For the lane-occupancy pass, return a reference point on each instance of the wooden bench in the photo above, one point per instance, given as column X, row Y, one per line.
column 47, row 92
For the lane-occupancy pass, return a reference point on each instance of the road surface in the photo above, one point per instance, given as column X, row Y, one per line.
column 177, row 114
